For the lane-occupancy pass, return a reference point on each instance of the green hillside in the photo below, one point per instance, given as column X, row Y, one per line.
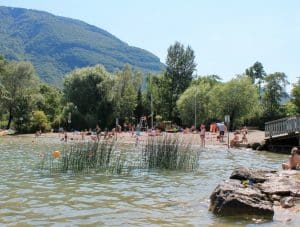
column 56, row 45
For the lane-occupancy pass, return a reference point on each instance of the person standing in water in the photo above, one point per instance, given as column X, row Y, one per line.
column 202, row 135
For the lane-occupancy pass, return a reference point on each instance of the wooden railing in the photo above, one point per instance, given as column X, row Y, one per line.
column 282, row 126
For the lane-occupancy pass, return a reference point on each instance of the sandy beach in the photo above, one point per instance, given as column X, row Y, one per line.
column 253, row 136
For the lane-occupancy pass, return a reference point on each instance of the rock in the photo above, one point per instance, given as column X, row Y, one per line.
column 287, row 202
column 256, row 176
column 256, row 192
column 281, row 186
column 255, row 145
column 232, row 197
column 275, row 198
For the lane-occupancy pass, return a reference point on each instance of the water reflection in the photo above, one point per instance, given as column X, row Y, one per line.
column 140, row 198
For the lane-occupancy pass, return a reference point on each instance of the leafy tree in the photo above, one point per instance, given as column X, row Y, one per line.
column 291, row 109
column 20, row 87
column 179, row 74
column 139, row 109
column 274, row 91
column 50, row 101
column 296, row 96
column 237, row 98
column 256, row 73
column 40, row 121
column 195, row 100
column 126, row 86
column 89, row 89
column 209, row 79
column 157, row 89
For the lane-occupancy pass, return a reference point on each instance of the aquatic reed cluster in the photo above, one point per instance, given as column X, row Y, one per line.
column 169, row 152
column 85, row 157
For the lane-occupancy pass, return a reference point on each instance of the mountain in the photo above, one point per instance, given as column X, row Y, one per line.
column 56, row 45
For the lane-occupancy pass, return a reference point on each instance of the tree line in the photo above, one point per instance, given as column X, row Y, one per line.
column 92, row 95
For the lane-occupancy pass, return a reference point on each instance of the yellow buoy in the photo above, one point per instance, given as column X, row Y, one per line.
column 56, row 154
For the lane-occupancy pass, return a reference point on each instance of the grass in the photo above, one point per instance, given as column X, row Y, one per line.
column 167, row 152
column 89, row 157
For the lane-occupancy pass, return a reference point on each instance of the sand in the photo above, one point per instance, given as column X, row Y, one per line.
column 253, row 136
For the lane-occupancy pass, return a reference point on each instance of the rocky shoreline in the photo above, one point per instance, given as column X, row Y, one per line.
column 257, row 192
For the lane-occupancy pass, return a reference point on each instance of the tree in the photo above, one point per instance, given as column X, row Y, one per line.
column 195, row 100
column 296, row 96
column 139, row 109
column 274, row 91
column 237, row 98
column 89, row 89
column 157, row 88
column 20, row 87
column 179, row 74
column 40, row 121
column 256, row 73
column 50, row 101
column 126, row 86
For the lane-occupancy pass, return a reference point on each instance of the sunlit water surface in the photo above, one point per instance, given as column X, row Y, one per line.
column 139, row 198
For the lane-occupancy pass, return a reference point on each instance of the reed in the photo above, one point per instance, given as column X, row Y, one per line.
column 86, row 158
column 169, row 152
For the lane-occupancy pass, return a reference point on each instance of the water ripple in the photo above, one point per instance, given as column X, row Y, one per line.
column 142, row 198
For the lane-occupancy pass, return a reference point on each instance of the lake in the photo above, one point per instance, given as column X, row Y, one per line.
column 139, row 198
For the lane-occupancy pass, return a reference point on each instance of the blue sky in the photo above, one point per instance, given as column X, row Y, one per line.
column 227, row 36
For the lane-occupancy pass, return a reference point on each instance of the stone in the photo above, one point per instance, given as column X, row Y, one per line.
column 287, row 202
column 231, row 197
column 256, row 176
column 258, row 192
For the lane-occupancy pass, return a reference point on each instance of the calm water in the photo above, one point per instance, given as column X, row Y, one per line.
column 139, row 199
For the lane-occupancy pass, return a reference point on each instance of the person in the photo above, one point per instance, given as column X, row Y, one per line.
column 66, row 136
column 244, row 133
column 221, row 128
column 293, row 161
column 235, row 140
column 38, row 133
column 98, row 132
column 202, row 135
column 213, row 127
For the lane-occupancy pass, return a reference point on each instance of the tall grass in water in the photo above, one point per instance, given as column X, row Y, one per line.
column 169, row 152
column 86, row 157
column 159, row 152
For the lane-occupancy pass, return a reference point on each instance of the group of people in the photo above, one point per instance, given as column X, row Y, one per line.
column 221, row 129
column 214, row 128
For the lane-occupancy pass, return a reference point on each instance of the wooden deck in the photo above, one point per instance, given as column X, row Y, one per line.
column 283, row 134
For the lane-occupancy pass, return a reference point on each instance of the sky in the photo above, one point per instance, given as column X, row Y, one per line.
column 226, row 36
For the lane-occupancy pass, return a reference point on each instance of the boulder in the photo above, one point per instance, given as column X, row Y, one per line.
column 256, row 176
column 250, row 191
column 231, row 197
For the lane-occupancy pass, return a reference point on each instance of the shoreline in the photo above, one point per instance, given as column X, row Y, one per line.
column 253, row 136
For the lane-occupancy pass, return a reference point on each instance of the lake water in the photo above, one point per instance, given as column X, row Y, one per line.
column 140, row 198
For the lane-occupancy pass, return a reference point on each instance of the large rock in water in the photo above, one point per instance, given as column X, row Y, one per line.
column 231, row 197
column 251, row 191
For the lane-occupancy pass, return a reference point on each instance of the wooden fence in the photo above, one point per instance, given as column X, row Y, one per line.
column 283, row 126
